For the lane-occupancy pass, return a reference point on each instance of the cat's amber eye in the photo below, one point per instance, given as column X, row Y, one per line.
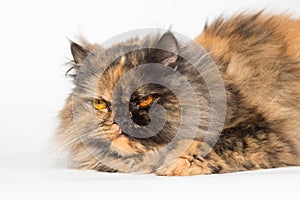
column 146, row 100
column 100, row 104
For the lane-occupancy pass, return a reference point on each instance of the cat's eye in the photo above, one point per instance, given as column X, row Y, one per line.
column 146, row 100
column 100, row 104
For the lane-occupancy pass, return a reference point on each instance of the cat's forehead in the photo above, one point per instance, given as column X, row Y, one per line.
column 129, row 75
column 109, row 80
column 111, row 77
column 103, row 68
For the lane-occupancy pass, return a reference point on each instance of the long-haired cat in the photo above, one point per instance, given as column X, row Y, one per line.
column 258, row 58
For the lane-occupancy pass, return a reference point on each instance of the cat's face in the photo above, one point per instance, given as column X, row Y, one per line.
column 122, row 106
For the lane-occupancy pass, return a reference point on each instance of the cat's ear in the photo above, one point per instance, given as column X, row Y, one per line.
column 167, row 48
column 78, row 53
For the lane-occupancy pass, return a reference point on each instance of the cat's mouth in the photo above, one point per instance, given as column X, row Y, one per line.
column 121, row 134
column 124, row 144
column 118, row 133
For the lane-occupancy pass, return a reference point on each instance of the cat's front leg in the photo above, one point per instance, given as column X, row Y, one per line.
column 190, row 162
column 184, row 166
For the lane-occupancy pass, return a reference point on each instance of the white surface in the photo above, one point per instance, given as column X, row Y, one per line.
column 33, row 182
column 34, row 47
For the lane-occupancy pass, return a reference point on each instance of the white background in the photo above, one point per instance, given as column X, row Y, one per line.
column 33, row 49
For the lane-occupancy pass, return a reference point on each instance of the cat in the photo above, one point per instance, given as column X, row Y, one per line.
column 258, row 58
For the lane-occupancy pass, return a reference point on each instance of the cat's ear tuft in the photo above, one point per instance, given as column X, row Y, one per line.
column 78, row 52
column 168, row 42
column 167, row 49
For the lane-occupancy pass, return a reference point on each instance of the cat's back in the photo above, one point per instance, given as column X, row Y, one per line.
column 246, row 33
column 259, row 57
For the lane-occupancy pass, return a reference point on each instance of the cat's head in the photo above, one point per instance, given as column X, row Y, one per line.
column 126, row 101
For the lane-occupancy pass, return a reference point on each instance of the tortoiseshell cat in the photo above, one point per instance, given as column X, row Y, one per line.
column 259, row 60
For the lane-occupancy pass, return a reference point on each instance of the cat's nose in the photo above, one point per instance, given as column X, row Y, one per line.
column 121, row 122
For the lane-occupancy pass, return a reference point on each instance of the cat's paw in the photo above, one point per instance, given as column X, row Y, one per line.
column 184, row 166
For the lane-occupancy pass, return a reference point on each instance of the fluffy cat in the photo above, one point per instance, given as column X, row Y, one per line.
column 259, row 61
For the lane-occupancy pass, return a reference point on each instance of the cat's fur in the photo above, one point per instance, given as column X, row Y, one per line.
column 259, row 60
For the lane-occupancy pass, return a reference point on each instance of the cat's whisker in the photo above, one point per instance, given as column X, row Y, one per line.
column 76, row 139
column 63, row 148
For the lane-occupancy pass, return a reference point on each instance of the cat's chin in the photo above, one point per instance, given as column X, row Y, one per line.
column 125, row 145
column 121, row 144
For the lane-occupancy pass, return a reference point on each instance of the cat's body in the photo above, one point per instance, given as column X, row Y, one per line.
column 259, row 60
